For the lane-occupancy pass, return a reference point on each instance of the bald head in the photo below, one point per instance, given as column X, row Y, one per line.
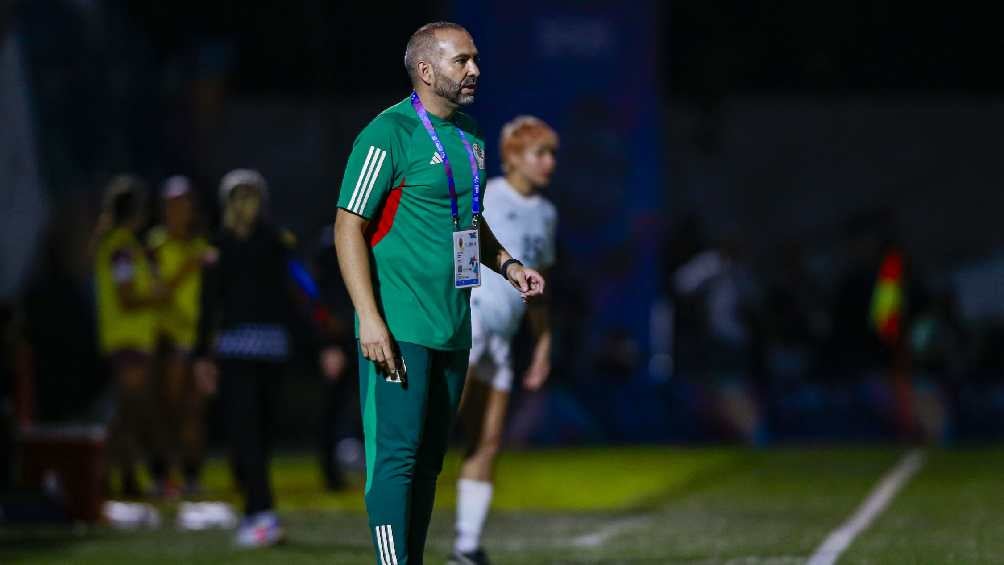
column 424, row 45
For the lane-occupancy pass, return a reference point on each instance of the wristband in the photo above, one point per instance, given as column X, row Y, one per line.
column 505, row 266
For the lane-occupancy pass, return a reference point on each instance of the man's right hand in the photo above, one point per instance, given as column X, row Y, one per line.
column 376, row 343
column 354, row 261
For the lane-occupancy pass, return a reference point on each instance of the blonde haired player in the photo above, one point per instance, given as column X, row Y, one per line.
column 524, row 223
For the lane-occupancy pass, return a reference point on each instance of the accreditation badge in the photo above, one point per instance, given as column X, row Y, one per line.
column 466, row 259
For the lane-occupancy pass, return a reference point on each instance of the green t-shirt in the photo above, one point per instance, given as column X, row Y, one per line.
column 395, row 179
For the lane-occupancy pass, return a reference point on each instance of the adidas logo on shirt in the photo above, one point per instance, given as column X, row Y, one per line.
column 436, row 159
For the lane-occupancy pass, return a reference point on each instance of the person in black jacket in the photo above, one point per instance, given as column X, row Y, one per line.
column 247, row 310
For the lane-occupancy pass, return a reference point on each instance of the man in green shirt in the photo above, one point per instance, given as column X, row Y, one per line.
column 408, row 218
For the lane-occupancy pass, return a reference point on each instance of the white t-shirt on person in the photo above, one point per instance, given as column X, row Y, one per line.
column 525, row 226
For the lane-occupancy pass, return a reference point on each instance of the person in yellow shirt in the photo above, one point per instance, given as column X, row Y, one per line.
column 128, row 296
column 178, row 253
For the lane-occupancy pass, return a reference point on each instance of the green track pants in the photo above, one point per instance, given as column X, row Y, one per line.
column 406, row 429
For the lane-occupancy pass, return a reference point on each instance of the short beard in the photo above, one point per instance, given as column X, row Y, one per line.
column 449, row 89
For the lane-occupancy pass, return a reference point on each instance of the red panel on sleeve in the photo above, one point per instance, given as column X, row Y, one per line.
column 379, row 228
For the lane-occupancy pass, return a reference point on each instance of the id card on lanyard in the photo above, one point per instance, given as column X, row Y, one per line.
column 466, row 243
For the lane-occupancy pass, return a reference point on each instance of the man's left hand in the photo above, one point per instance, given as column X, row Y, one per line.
column 527, row 281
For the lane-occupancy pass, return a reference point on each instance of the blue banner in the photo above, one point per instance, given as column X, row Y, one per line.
column 589, row 69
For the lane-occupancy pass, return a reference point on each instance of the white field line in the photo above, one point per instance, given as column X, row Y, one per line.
column 602, row 535
column 883, row 493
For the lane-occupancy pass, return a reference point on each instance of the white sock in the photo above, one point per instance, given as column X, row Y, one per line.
column 473, row 500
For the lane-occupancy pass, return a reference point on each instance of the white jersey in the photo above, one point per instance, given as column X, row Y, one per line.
column 526, row 227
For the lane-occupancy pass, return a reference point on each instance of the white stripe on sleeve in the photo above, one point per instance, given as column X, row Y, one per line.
column 369, row 188
column 357, row 208
column 359, row 179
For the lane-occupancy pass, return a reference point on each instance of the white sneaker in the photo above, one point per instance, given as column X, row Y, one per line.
column 260, row 530
column 205, row 515
column 130, row 515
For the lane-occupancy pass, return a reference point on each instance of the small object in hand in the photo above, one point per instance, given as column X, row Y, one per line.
column 398, row 375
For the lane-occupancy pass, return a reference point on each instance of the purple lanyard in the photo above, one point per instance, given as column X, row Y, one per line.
column 423, row 115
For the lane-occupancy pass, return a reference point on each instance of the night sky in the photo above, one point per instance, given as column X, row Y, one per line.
column 710, row 49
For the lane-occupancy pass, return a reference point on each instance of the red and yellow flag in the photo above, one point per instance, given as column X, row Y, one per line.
column 887, row 300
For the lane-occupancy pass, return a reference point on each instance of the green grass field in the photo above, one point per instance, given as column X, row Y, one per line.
column 622, row 505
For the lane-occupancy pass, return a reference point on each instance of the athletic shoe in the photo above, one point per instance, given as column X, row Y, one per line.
column 476, row 557
column 260, row 530
column 205, row 515
column 130, row 515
